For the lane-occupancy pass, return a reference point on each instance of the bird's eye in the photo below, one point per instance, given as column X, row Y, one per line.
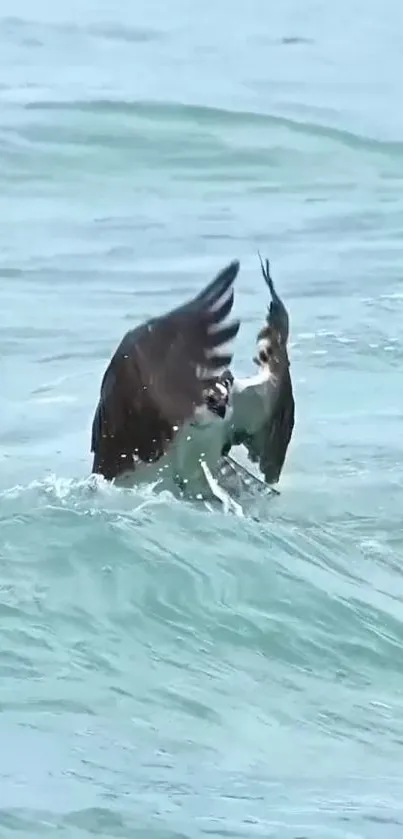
column 265, row 353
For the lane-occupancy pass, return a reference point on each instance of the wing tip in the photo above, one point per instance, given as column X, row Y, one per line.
column 265, row 266
column 220, row 284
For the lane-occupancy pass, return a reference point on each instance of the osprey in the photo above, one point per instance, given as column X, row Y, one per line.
column 162, row 409
column 262, row 407
column 167, row 414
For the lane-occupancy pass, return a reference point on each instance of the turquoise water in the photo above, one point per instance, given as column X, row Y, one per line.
column 165, row 672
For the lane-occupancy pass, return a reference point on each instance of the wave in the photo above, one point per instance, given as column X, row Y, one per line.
column 158, row 646
column 208, row 116
column 299, row 591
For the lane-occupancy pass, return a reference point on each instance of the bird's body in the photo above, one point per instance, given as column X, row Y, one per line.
column 198, row 443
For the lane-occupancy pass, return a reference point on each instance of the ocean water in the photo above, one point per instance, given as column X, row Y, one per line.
column 167, row 672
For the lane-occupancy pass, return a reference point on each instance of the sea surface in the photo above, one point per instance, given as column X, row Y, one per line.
column 165, row 672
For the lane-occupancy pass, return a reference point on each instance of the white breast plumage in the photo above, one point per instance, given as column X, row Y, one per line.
column 252, row 400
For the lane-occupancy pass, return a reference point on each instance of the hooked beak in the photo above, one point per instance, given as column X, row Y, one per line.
column 217, row 407
column 217, row 400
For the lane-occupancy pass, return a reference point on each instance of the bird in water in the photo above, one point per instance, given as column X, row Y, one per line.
column 171, row 410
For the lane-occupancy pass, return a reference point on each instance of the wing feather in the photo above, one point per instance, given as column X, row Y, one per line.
column 157, row 376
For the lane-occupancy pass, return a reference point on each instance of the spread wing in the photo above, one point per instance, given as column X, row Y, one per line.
column 268, row 446
column 158, row 374
column 263, row 415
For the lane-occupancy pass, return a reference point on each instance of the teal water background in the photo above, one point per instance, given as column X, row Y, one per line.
column 164, row 672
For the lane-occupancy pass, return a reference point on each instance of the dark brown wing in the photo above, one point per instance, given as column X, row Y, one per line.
column 157, row 376
column 268, row 447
